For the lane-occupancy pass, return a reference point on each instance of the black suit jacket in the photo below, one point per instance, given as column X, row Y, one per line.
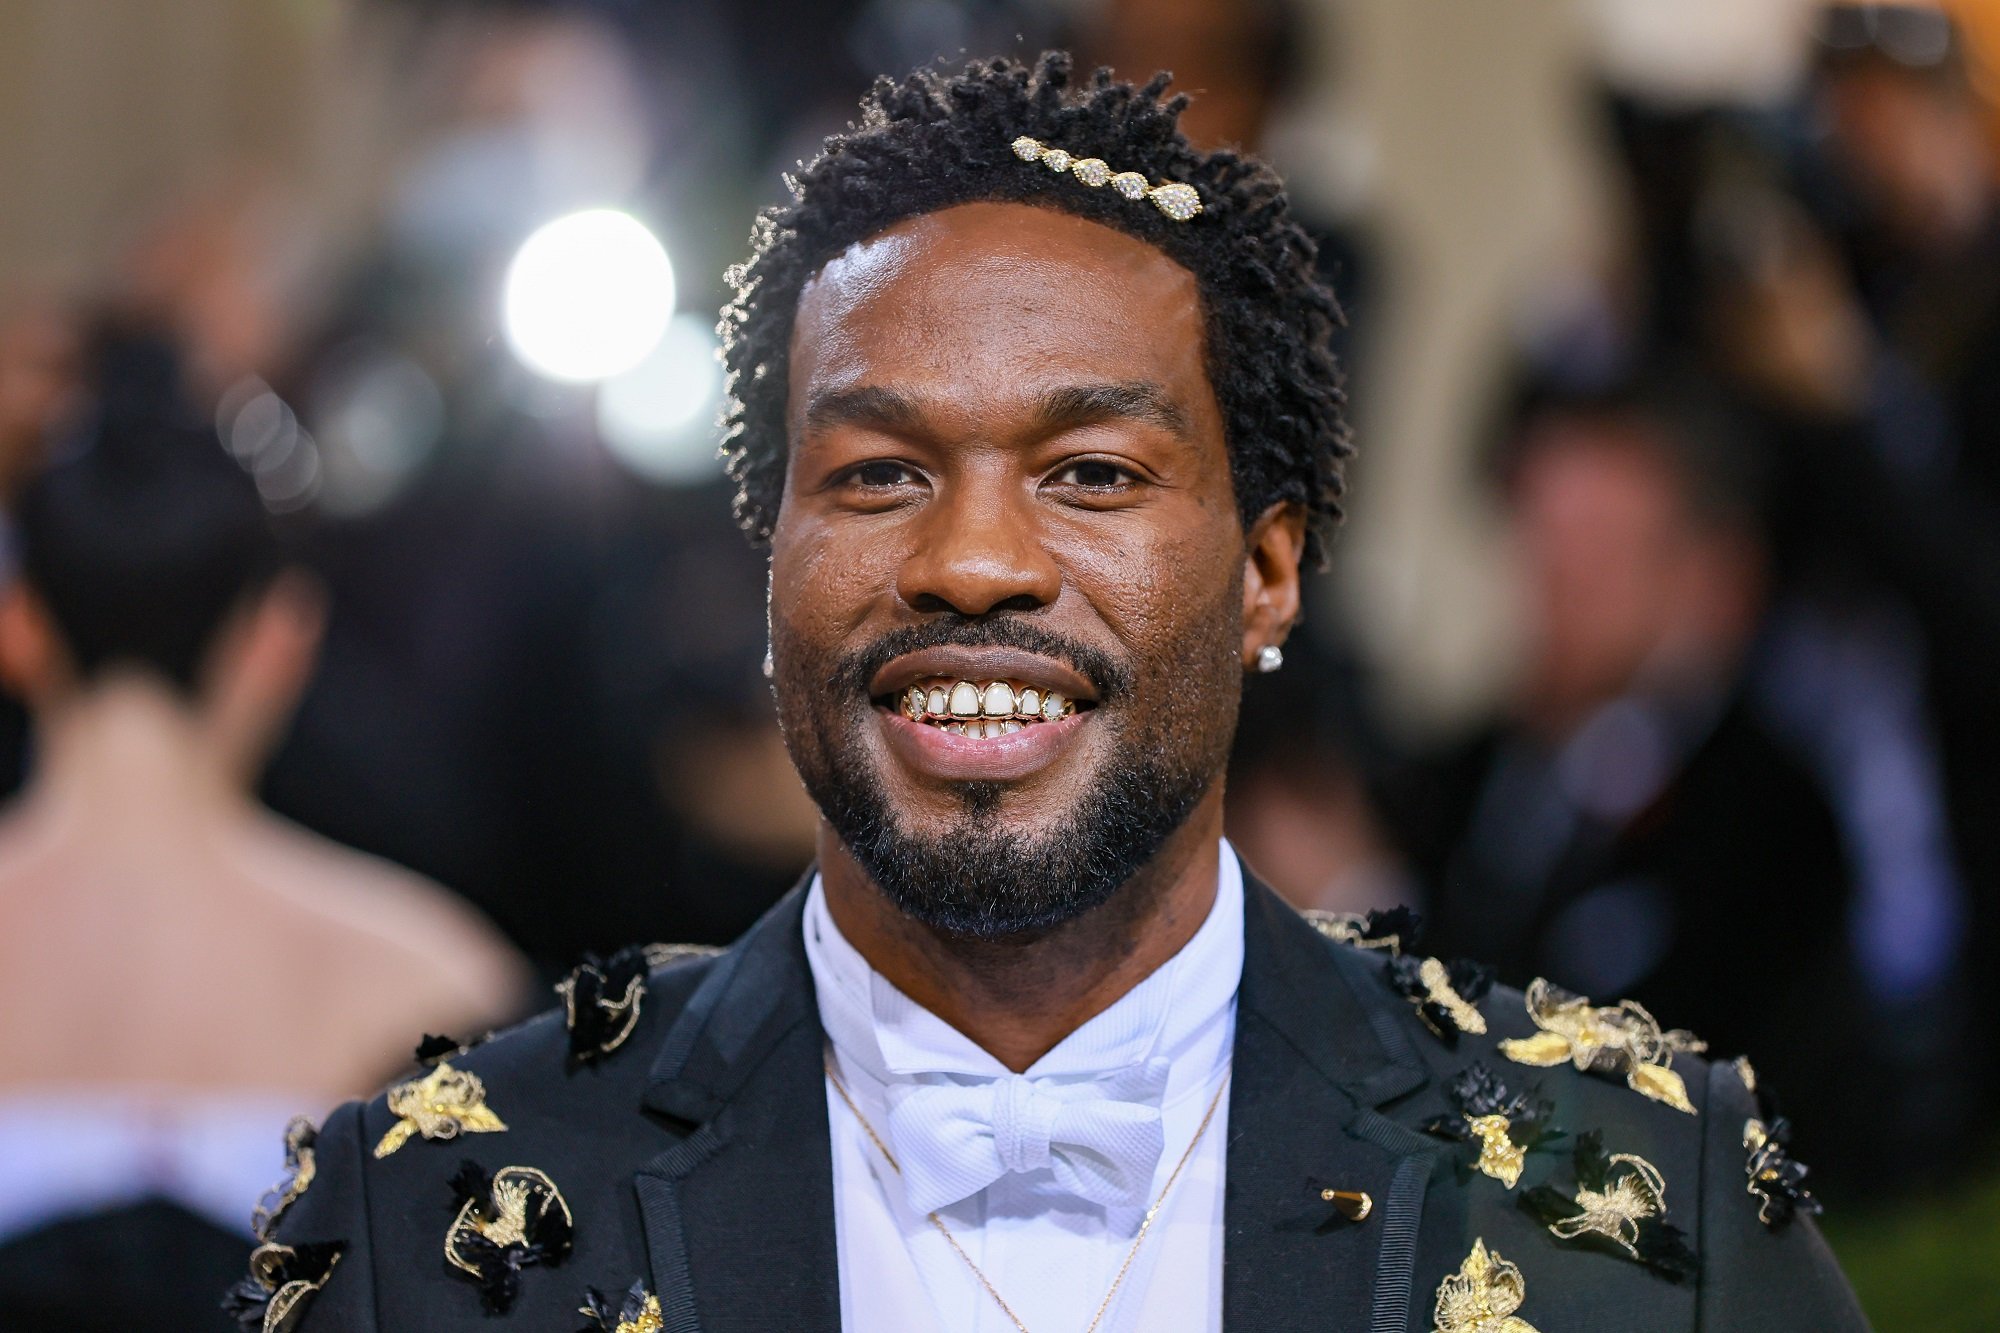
column 695, row 1158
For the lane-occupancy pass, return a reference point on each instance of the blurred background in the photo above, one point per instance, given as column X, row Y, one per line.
column 377, row 639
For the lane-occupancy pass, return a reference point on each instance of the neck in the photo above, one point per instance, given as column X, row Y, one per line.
column 128, row 756
column 1019, row 997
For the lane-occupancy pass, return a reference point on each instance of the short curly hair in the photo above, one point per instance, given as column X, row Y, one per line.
column 936, row 140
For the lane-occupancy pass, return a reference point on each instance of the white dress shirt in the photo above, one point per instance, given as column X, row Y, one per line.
column 1051, row 1254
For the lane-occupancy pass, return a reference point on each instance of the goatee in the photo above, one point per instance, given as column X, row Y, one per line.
column 976, row 879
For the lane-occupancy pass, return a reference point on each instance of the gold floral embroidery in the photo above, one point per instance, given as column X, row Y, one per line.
column 637, row 1312
column 1380, row 929
column 1499, row 1156
column 1437, row 985
column 442, row 1104
column 1620, row 1198
column 1621, row 1039
column 1773, row 1175
column 1615, row 1211
column 300, row 1168
column 650, row 1319
column 282, row 1282
column 1482, row 1295
column 514, row 1219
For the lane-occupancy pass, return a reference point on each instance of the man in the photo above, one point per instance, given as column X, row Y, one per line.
column 1629, row 804
column 1039, row 448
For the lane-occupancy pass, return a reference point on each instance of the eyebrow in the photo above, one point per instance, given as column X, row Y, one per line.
column 1066, row 407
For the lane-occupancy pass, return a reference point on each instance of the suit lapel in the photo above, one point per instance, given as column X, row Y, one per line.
column 1316, row 1052
column 739, row 1214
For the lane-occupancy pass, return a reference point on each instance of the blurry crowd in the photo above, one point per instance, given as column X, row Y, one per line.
column 347, row 566
column 1749, row 471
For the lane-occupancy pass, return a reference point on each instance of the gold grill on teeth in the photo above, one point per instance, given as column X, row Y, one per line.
column 993, row 709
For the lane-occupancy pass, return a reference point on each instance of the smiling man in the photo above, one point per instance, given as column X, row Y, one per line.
column 1033, row 407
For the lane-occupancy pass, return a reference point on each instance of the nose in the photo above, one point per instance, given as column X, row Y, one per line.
column 980, row 549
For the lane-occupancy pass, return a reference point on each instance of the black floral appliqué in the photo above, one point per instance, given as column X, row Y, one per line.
column 512, row 1220
column 1620, row 1202
column 1445, row 995
column 282, row 1282
column 1506, row 1125
column 638, row 1311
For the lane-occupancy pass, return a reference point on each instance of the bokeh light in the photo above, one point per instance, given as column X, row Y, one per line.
column 588, row 296
column 659, row 416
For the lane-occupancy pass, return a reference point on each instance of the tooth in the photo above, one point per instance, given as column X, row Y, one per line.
column 937, row 703
column 999, row 699
column 1029, row 704
column 965, row 699
column 955, row 728
column 1009, row 727
column 913, row 703
column 1053, row 706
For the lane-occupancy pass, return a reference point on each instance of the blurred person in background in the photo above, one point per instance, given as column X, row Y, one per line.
column 1630, row 826
column 1852, row 302
column 180, row 970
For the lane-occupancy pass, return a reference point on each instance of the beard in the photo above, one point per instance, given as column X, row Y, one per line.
column 980, row 881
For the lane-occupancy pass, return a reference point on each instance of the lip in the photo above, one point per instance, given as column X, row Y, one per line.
column 937, row 753
column 953, row 662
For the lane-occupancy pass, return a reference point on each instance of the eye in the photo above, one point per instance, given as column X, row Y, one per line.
column 1093, row 474
column 881, row 474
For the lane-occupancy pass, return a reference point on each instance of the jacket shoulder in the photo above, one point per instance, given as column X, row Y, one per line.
column 1573, row 1094
column 551, row 1105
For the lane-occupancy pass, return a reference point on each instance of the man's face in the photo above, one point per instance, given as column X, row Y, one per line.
column 1007, row 494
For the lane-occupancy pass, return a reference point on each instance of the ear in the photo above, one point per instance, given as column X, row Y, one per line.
column 1271, row 588
column 31, row 656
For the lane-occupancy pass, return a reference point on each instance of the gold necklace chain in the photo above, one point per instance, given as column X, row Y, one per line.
column 956, row 1248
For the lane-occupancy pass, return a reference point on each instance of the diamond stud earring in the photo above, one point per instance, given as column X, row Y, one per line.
column 770, row 667
column 1269, row 658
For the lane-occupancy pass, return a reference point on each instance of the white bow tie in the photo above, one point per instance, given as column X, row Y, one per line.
column 1102, row 1140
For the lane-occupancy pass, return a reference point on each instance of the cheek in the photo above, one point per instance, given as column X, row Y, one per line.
column 1167, row 589
column 822, row 588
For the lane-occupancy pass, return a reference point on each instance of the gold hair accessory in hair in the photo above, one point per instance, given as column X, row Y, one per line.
column 1482, row 1295
column 1616, row 1039
column 442, row 1104
column 1176, row 200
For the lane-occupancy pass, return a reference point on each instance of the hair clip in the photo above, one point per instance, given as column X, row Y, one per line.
column 1176, row 200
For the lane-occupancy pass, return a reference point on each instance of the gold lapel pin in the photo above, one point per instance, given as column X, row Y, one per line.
column 1354, row 1205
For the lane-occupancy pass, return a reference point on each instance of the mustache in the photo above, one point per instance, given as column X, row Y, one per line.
column 1107, row 674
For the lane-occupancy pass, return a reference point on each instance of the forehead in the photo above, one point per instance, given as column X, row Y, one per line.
column 996, row 301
